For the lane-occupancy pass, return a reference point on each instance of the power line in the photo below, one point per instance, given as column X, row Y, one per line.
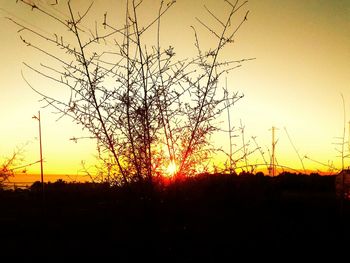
column 24, row 21
column 24, row 166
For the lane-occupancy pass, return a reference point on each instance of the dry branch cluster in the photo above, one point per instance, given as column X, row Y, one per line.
column 10, row 164
column 145, row 106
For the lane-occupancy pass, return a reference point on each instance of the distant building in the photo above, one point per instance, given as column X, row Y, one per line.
column 342, row 184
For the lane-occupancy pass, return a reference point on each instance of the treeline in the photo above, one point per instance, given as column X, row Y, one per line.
column 284, row 181
column 206, row 217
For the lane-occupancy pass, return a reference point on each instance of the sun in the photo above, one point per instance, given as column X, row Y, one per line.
column 171, row 169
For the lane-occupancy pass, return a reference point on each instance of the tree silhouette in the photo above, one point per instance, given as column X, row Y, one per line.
column 146, row 108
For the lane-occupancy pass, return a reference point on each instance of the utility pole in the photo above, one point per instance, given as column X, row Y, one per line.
column 273, row 165
column 349, row 139
column 41, row 153
column 229, row 125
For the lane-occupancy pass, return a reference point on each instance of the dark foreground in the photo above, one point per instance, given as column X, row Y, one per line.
column 209, row 219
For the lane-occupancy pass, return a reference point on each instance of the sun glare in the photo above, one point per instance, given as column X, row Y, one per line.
column 171, row 169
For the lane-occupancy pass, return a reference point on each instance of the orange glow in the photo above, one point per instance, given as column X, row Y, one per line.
column 171, row 169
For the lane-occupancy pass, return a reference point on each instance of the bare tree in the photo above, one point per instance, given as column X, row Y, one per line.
column 145, row 107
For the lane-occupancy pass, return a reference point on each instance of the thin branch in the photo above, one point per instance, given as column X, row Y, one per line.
column 215, row 17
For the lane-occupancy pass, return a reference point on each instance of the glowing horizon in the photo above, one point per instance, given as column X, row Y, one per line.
column 302, row 66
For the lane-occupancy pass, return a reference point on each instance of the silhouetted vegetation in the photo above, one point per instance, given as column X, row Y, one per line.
column 204, row 217
column 10, row 164
column 146, row 106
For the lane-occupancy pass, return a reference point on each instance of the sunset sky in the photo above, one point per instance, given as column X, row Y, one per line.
column 302, row 66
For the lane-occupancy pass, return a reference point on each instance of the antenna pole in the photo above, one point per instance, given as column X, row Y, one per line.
column 349, row 138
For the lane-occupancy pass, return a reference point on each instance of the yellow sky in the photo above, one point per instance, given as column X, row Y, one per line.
column 302, row 51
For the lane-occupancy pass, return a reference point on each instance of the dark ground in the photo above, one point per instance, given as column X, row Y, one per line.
column 209, row 219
